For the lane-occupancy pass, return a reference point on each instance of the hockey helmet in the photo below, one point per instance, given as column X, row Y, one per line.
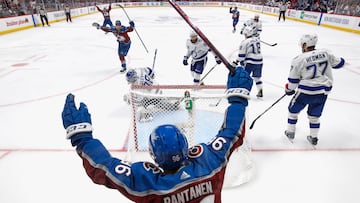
column 168, row 147
column 193, row 34
column 256, row 17
column 118, row 22
column 309, row 39
column 131, row 76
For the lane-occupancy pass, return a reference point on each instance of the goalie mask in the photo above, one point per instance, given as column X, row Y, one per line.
column 168, row 147
column 131, row 76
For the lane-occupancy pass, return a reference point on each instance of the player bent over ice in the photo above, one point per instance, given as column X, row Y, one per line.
column 145, row 76
column 311, row 75
column 179, row 174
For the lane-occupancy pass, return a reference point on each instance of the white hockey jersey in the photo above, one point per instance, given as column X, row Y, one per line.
column 198, row 50
column 311, row 71
column 252, row 22
column 145, row 76
column 250, row 52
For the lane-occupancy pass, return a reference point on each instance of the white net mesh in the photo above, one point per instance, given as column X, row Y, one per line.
column 198, row 116
column 165, row 104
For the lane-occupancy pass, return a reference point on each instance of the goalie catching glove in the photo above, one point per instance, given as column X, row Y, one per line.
column 77, row 122
column 239, row 86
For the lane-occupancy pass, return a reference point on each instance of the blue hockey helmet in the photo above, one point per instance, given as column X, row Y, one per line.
column 168, row 147
column 131, row 76
column 118, row 22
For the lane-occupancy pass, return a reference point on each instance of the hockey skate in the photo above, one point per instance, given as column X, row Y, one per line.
column 97, row 25
column 290, row 135
column 260, row 94
column 312, row 140
column 123, row 69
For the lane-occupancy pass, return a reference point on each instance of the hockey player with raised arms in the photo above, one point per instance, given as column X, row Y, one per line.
column 235, row 14
column 198, row 51
column 122, row 37
column 310, row 80
column 179, row 174
column 106, row 13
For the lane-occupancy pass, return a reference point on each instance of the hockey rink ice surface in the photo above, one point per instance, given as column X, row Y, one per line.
column 40, row 66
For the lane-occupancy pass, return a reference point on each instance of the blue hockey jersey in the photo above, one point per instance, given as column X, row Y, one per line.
column 200, row 180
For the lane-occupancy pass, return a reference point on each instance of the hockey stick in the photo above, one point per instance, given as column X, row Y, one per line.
column 252, row 124
column 134, row 27
column 203, row 37
column 202, row 79
column 268, row 43
column 217, row 103
column 153, row 65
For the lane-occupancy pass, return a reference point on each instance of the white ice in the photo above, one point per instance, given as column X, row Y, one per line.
column 40, row 66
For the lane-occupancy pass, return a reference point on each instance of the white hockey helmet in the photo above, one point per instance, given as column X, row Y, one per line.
column 193, row 34
column 256, row 17
column 309, row 39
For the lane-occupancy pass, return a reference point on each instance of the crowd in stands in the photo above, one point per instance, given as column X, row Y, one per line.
column 10, row 8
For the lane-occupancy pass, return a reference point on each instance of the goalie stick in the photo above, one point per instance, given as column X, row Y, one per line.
column 203, row 37
column 153, row 65
column 268, row 43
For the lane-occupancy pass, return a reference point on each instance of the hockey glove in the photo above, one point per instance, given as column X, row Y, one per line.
column 185, row 62
column 132, row 24
column 97, row 25
column 77, row 122
column 239, row 86
column 288, row 91
column 217, row 59
column 235, row 63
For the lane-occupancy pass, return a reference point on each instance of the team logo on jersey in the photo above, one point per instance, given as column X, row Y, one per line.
column 184, row 175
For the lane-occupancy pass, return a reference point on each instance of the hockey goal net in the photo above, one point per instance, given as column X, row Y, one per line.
column 198, row 111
